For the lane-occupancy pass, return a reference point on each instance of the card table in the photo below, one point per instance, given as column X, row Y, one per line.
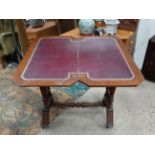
column 63, row 61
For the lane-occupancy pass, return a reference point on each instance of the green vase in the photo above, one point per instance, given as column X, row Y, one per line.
column 86, row 26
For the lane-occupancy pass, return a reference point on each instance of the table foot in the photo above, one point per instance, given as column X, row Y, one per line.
column 109, row 123
column 108, row 102
column 45, row 117
column 47, row 102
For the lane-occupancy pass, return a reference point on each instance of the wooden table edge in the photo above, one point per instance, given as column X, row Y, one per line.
column 118, row 83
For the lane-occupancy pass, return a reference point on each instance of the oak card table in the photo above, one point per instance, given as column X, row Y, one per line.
column 63, row 61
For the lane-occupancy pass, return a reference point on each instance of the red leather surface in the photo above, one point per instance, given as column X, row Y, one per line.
column 101, row 58
column 55, row 58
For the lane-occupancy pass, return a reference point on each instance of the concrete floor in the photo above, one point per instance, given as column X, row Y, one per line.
column 134, row 113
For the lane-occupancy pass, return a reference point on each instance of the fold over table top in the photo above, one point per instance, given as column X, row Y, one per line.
column 62, row 61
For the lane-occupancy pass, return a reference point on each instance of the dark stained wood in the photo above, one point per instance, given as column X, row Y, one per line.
column 67, row 24
column 148, row 69
column 108, row 101
column 77, row 104
column 47, row 102
column 2, row 62
column 128, row 24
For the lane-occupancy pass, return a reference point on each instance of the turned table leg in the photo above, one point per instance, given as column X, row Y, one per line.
column 108, row 102
column 47, row 101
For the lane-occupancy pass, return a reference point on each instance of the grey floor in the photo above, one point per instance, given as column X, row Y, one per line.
column 134, row 114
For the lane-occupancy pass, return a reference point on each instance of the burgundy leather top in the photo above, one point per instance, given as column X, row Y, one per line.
column 56, row 58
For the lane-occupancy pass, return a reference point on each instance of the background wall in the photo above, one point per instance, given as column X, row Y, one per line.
column 145, row 30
